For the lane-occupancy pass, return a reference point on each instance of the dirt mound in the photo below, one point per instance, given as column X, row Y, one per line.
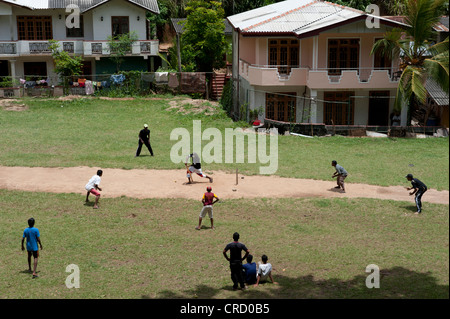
column 12, row 105
column 196, row 106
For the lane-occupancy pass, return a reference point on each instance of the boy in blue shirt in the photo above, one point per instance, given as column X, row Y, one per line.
column 32, row 235
column 249, row 271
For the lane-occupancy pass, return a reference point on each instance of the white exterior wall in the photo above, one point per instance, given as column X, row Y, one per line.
column 361, row 116
column 102, row 29
column 5, row 29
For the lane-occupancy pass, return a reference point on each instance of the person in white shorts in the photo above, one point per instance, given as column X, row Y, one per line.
column 196, row 167
column 208, row 200
column 264, row 271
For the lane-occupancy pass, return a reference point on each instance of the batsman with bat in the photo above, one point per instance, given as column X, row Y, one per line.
column 195, row 167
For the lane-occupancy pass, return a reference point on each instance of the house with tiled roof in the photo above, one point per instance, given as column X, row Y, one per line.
column 27, row 25
column 308, row 61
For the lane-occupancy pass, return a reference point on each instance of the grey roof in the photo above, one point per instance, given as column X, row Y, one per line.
column 179, row 27
column 436, row 92
column 300, row 17
column 84, row 5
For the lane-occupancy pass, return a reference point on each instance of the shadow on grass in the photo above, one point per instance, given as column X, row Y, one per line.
column 89, row 204
column 411, row 208
column 395, row 283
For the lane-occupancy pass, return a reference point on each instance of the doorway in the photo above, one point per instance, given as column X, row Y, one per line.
column 379, row 108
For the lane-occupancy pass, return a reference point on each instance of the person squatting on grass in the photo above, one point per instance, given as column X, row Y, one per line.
column 235, row 260
column 341, row 174
column 208, row 200
column 92, row 187
column 144, row 138
column 32, row 235
column 264, row 271
column 196, row 167
column 419, row 189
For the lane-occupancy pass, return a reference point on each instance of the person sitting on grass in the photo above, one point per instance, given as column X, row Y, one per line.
column 249, row 270
column 92, row 187
column 264, row 271
column 32, row 235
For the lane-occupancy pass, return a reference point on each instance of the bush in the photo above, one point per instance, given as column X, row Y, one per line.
column 226, row 100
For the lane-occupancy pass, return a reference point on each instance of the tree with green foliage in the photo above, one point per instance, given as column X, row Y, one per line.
column 120, row 45
column 66, row 66
column 203, row 41
column 232, row 7
column 421, row 56
column 356, row 4
column 167, row 9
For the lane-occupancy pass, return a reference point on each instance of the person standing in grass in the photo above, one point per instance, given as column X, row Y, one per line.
column 341, row 175
column 419, row 189
column 92, row 187
column 33, row 238
column 208, row 200
column 264, row 271
column 235, row 259
column 144, row 138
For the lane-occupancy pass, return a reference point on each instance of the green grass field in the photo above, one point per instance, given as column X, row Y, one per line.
column 132, row 248
column 102, row 133
column 149, row 248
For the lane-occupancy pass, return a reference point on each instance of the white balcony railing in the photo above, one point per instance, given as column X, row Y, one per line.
column 8, row 48
column 145, row 47
column 363, row 74
column 89, row 48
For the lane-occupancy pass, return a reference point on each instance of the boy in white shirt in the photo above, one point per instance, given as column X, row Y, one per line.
column 92, row 187
column 264, row 271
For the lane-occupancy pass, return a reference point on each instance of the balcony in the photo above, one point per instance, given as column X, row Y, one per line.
column 87, row 48
column 99, row 48
column 273, row 75
column 359, row 78
column 288, row 75
column 8, row 48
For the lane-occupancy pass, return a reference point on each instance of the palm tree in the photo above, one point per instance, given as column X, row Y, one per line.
column 421, row 57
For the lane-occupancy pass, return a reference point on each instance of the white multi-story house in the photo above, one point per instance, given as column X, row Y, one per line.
column 27, row 25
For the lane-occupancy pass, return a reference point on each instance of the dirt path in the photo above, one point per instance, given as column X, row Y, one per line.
column 140, row 183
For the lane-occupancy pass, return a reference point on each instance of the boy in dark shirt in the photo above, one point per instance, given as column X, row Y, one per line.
column 235, row 260
column 419, row 189
column 144, row 138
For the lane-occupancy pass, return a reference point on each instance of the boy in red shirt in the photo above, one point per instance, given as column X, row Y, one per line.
column 208, row 200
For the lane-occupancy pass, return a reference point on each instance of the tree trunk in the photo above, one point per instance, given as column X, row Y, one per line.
column 410, row 109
